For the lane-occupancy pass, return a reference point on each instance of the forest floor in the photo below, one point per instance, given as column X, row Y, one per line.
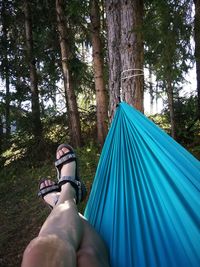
column 22, row 214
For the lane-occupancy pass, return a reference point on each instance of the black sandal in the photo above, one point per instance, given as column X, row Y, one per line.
column 75, row 181
column 42, row 192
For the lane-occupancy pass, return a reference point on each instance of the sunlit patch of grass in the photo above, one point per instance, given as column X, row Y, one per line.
column 13, row 153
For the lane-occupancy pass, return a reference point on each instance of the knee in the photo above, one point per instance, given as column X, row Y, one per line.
column 46, row 248
column 33, row 251
column 34, row 245
column 87, row 253
column 39, row 244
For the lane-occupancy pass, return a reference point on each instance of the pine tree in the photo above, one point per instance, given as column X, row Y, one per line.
column 72, row 108
column 37, row 126
column 101, row 94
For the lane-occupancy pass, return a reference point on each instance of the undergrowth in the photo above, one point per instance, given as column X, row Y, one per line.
column 22, row 214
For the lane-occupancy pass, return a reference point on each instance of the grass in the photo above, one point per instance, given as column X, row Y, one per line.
column 22, row 214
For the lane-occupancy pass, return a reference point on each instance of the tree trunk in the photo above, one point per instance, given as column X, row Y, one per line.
column 6, row 69
column 125, row 46
column 2, row 147
column 7, row 103
column 114, row 61
column 156, row 94
column 170, row 96
column 72, row 108
column 151, row 93
column 132, row 52
column 197, row 49
column 37, row 126
column 1, row 134
column 101, row 94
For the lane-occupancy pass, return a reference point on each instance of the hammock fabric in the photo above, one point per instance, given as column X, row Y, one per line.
column 145, row 199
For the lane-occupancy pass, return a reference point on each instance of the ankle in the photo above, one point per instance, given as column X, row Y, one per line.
column 68, row 191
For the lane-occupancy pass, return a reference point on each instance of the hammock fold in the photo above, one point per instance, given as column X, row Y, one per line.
column 145, row 199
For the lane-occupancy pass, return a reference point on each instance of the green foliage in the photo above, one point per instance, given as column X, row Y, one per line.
column 88, row 124
column 46, row 51
column 188, row 125
column 167, row 32
column 22, row 145
column 187, row 122
column 162, row 120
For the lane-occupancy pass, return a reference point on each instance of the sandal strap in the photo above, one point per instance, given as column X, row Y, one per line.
column 65, row 179
column 70, row 156
column 78, row 186
column 48, row 189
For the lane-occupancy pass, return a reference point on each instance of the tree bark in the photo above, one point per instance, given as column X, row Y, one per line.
column 8, row 129
column 6, row 73
column 157, row 95
column 151, row 93
column 131, row 51
column 37, row 126
column 101, row 94
column 197, row 49
column 1, row 134
column 170, row 96
column 72, row 108
column 125, row 48
column 113, row 19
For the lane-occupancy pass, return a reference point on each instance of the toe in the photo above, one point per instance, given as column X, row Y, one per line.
column 42, row 185
column 45, row 183
column 61, row 152
column 65, row 150
column 49, row 182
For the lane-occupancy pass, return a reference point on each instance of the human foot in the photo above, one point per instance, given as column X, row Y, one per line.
column 67, row 170
column 49, row 191
column 65, row 164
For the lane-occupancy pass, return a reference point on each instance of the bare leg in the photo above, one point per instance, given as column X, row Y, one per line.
column 66, row 239
column 59, row 238
column 92, row 251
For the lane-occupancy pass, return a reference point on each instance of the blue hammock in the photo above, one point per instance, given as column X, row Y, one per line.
column 145, row 199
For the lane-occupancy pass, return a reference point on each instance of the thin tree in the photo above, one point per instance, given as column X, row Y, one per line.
column 113, row 19
column 101, row 93
column 197, row 48
column 72, row 108
column 170, row 96
column 151, row 91
column 5, row 63
column 37, row 126
column 1, row 135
